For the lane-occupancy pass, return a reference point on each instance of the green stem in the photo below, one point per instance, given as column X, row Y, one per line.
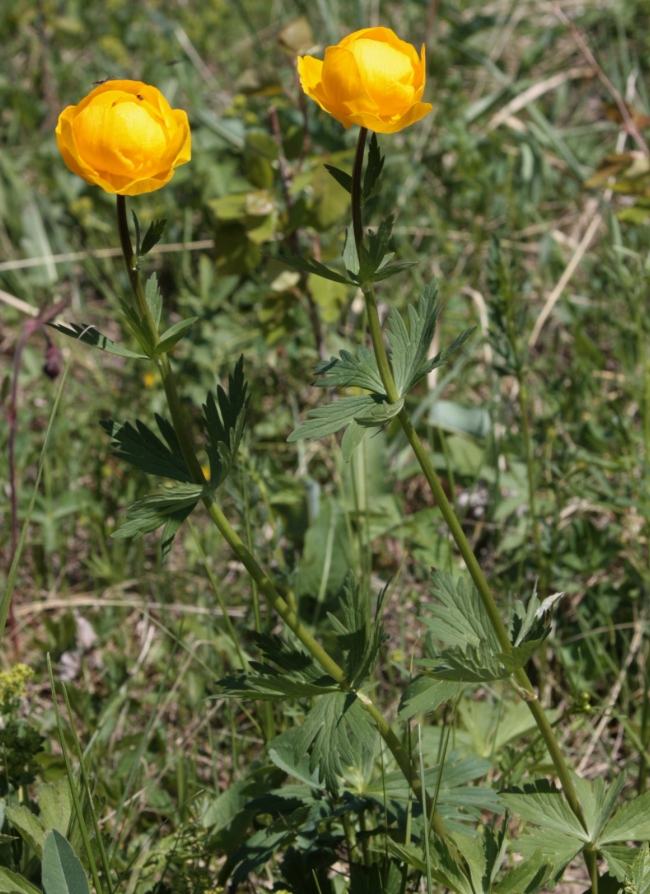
column 241, row 551
column 521, row 678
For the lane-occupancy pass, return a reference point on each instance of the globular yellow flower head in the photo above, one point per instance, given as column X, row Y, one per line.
column 124, row 137
column 372, row 78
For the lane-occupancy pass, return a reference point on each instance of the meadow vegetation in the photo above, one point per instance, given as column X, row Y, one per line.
column 195, row 744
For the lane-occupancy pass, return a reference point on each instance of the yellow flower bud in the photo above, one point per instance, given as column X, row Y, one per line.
column 124, row 137
column 372, row 78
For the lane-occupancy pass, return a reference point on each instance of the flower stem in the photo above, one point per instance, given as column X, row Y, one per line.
column 241, row 551
column 520, row 677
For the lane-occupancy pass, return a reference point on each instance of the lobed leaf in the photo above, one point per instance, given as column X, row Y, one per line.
column 90, row 336
column 328, row 419
column 154, row 298
column 348, row 371
column 173, row 335
column 140, row 447
column 224, row 418
column 309, row 265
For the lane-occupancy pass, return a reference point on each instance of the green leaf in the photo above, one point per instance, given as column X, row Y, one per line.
column 380, row 414
column 174, row 334
column 410, row 347
column 169, row 508
column 372, row 256
column 224, row 419
column 348, row 371
column 90, row 336
column 335, row 729
column 272, row 686
column 425, row 694
column 473, row 664
column 152, row 236
column 459, row 619
column 139, row 327
column 359, row 641
column 638, row 879
column 343, row 179
column 619, row 859
column 392, row 270
column 328, row 419
column 598, row 803
column 350, row 256
column 27, row 825
column 309, row 265
column 143, row 449
column 62, row 869
column 55, row 805
column 539, row 802
column 374, row 168
column 558, row 848
column 154, row 298
column 630, row 823
column 354, row 435
column 527, row 877
column 13, row 883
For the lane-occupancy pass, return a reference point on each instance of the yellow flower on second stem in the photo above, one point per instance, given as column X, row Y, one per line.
column 371, row 78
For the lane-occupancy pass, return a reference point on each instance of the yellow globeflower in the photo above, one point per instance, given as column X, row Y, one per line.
column 372, row 78
column 124, row 137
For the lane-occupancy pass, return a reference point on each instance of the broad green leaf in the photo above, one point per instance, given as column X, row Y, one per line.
column 473, row 664
column 271, row 686
column 312, row 266
column 347, row 371
column 140, row 447
column 174, row 334
column 425, row 694
column 55, row 805
column 28, row 825
column 459, row 619
column 527, row 877
column 154, row 298
column 62, row 872
column 630, row 823
column 330, row 418
column 353, row 436
column 638, row 879
column 12, row 883
column 598, row 803
column 224, row 419
column 540, row 803
column 90, row 336
column 619, row 859
column 520, row 655
column 380, row 414
column 558, row 848
column 335, row 729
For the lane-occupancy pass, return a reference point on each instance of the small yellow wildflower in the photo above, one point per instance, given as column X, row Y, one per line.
column 13, row 683
column 149, row 380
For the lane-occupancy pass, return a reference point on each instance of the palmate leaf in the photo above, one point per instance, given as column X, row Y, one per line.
column 527, row 877
column 380, row 414
column 348, row 371
column 598, row 802
column 540, row 802
column 328, row 419
column 140, row 447
column 473, row 664
column 410, row 347
column 337, row 729
column 558, row 848
column 459, row 618
column 630, row 823
column 169, row 508
column 90, row 336
column 359, row 640
column 620, row 860
column 424, row 694
column 224, row 419
column 638, row 878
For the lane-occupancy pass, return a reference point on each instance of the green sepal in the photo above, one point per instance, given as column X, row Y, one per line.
column 90, row 336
